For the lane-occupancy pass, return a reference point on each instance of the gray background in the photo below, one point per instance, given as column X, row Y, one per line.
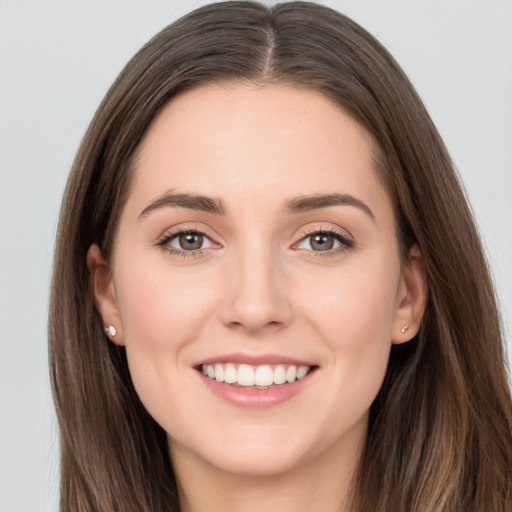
column 57, row 59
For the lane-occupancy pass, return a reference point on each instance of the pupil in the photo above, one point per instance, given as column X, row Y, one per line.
column 322, row 242
column 191, row 241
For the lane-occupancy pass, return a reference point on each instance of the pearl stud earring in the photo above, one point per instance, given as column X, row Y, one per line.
column 404, row 329
column 110, row 330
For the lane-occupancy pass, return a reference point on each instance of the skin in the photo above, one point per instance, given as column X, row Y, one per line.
column 258, row 286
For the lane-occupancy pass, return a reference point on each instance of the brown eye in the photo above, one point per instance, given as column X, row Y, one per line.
column 190, row 241
column 329, row 242
column 187, row 242
column 321, row 242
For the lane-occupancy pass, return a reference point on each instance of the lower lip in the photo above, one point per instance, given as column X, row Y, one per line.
column 252, row 398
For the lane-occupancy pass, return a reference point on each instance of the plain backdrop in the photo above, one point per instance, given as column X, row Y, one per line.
column 57, row 59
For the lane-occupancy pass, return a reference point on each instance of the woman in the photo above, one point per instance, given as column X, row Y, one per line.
column 268, row 288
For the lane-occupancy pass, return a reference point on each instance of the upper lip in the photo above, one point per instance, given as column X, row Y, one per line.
column 254, row 360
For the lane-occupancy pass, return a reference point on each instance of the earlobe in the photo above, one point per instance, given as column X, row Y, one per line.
column 102, row 287
column 412, row 298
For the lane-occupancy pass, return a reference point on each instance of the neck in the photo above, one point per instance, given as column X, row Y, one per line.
column 321, row 483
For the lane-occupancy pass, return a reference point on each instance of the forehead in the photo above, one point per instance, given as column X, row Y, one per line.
column 234, row 140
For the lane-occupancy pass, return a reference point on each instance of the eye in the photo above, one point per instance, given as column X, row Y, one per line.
column 324, row 241
column 186, row 241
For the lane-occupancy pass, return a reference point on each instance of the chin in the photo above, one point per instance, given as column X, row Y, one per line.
column 257, row 463
column 253, row 454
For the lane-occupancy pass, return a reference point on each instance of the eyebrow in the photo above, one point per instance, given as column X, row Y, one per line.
column 314, row 202
column 190, row 201
column 216, row 206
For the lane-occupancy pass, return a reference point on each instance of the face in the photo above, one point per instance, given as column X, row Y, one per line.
column 257, row 246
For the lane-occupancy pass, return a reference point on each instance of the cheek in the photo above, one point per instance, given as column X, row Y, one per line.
column 159, row 309
column 355, row 304
column 162, row 314
column 354, row 318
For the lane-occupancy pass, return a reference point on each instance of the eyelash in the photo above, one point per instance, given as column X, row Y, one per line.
column 346, row 243
column 164, row 243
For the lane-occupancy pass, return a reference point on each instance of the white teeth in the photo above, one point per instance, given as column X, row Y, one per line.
column 302, row 371
column 219, row 373
column 291, row 373
column 245, row 375
column 279, row 375
column 230, row 374
column 262, row 376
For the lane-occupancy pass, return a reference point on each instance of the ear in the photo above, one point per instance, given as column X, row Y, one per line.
column 412, row 298
column 102, row 285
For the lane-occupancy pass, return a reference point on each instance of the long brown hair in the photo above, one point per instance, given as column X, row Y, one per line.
column 439, row 436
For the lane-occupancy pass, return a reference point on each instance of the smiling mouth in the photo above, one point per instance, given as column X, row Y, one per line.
column 263, row 376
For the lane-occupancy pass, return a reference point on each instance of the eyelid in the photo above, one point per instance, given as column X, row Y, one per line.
column 185, row 228
column 342, row 236
column 174, row 232
column 176, row 237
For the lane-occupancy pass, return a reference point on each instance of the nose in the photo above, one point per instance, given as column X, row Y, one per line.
column 255, row 298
